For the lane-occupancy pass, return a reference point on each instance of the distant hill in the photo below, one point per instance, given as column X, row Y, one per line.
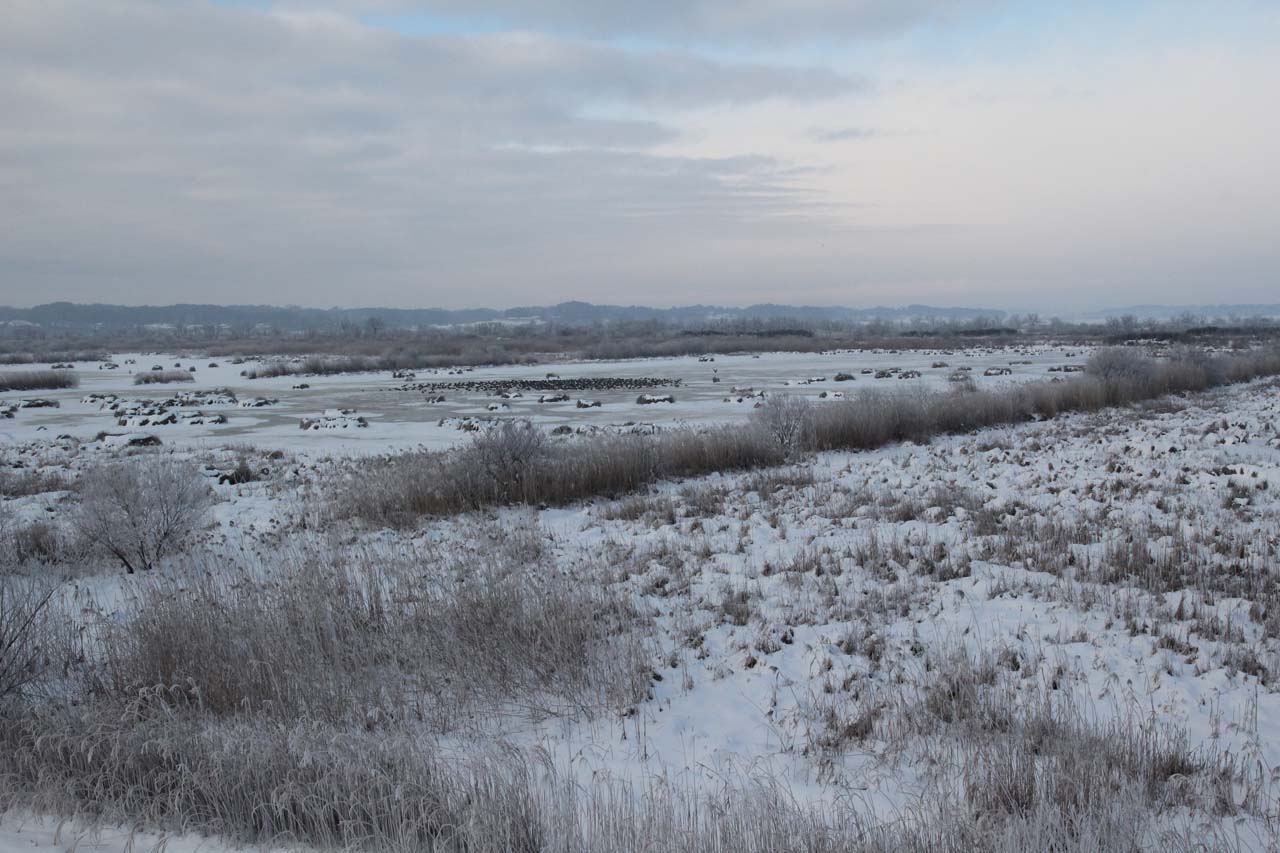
column 77, row 316
column 1171, row 312
column 68, row 315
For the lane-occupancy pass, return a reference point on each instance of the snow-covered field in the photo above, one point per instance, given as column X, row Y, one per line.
column 222, row 406
column 814, row 627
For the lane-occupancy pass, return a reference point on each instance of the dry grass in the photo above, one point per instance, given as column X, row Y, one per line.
column 1030, row 780
column 31, row 481
column 372, row 639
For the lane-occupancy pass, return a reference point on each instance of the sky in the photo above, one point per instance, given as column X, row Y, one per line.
column 1039, row 156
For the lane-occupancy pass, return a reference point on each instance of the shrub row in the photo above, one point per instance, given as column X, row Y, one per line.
column 162, row 377
column 38, row 380
column 513, row 462
column 52, row 356
column 407, row 359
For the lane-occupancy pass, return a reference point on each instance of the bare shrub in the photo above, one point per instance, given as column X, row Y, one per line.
column 162, row 377
column 23, row 606
column 1112, row 364
column 503, row 456
column 788, row 420
column 38, row 380
column 142, row 510
column 241, row 474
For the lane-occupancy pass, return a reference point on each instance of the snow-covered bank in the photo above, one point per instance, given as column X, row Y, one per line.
column 863, row 628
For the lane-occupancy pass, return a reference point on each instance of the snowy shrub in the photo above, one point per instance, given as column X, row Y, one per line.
column 36, row 541
column 1116, row 363
column 143, row 510
column 788, row 420
column 503, row 456
column 1126, row 375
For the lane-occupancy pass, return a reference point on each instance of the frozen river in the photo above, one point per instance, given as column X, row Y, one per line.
column 399, row 415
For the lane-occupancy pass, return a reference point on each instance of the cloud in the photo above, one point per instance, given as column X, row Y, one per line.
column 288, row 151
column 759, row 21
column 842, row 134
column 150, row 145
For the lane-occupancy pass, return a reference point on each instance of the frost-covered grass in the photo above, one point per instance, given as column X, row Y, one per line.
column 355, row 790
column 38, row 380
column 373, row 638
column 26, row 482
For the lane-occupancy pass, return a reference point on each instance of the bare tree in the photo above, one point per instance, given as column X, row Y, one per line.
column 22, row 631
column 788, row 420
column 142, row 510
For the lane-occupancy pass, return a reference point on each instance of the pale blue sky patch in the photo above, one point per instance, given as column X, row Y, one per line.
column 422, row 23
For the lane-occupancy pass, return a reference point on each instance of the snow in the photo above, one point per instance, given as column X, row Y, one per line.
column 738, row 702
column 22, row 833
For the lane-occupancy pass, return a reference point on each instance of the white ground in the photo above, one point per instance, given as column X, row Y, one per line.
column 24, row 832
column 739, row 700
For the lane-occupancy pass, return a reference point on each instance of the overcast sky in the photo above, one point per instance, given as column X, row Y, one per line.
column 1046, row 156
